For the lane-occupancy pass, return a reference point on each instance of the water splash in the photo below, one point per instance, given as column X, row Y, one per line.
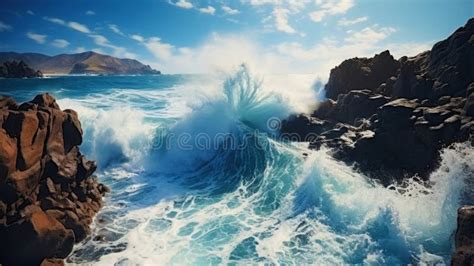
column 270, row 204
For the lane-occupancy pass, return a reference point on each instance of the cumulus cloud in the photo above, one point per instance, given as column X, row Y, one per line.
column 369, row 34
column 281, row 20
column 330, row 7
column 230, row 11
column 5, row 27
column 207, row 10
column 90, row 13
column 348, row 22
column 39, row 38
column 116, row 29
column 224, row 52
column 161, row 51
column 184, row 4
column 60, row 43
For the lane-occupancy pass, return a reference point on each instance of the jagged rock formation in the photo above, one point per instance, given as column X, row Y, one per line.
column 464, row 239
column 14, row 69
column 48, row 195
column 81, row 63
column 392, row 117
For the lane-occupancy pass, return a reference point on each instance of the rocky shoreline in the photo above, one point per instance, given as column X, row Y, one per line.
column 48, row 193
column 390, row 118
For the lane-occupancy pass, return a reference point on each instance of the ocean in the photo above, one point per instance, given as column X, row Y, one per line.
column 198, row 175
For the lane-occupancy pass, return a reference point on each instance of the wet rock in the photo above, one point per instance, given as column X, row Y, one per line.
column 48, row 195
column 464, row 238
column 391, row 118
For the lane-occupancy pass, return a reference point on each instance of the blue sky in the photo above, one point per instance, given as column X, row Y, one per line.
column 181, row 36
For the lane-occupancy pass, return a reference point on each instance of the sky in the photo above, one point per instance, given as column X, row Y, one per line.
column 191, row 36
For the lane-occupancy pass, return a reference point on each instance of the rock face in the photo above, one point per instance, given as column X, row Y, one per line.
column 14, row 69
column 48, row 195
column 464, row 239
column 392, row 117
column 361, row 73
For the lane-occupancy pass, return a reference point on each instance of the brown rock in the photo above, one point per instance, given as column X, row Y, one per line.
column 45, row 100
column 52, row 262
column 41, row 237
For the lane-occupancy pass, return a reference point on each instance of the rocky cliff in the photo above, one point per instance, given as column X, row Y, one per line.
column 391, row 117
column 48, row 194
column 81, row 63
column 14, row 69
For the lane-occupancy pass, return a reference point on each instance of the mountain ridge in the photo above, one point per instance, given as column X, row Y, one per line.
column 79, row 63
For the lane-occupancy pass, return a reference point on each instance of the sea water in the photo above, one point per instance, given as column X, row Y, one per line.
column 199, row 176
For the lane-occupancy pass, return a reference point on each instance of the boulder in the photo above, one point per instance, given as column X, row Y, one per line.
column 48, row 194
column 361, row 73
column 464, row 238
column 36, row 237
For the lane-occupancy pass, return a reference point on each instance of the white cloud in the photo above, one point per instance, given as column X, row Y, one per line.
column 100, row 40
column 184, row 4
column 98, row 50
column 137, row 38
column 207, row 10
column 281, row 20
column 161, row 51
column 118, row 51
column 79, row 27
column 56, row 20
column 29, row 12
column 223, row 53
column 330, row 7
column 116, row 29
column 230, row 11
column 90, row 13
column 348, row 22
column 71, row 24
column 5, row 27
column 369, row 34
column 263, row 2
column 39, row 38
column 80, row 50
column 60, row 43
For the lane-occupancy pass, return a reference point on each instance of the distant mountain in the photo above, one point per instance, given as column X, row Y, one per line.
column 81, row 63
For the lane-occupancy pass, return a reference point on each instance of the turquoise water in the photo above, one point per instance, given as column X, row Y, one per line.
column 198, row 176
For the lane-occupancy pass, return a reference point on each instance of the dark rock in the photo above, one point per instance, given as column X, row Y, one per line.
column 361, row 73
column 469, row 106
column 14, row 69
column 464, row 239
column 303, row 128
column 397, row 115
column 353, row 106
